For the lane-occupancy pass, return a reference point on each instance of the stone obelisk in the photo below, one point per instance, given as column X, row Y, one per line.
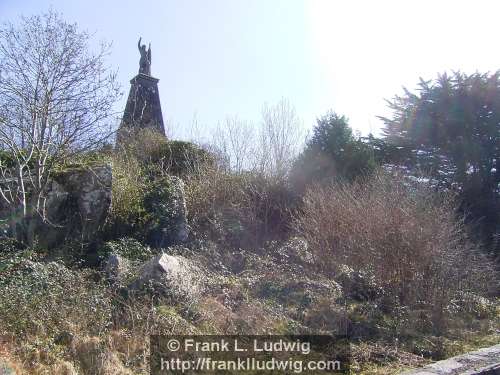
column 143, row 109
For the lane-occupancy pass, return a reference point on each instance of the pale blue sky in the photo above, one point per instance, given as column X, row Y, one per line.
column 227, row 57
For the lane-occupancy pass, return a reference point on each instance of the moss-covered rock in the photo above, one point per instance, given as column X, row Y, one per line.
column 166, row 206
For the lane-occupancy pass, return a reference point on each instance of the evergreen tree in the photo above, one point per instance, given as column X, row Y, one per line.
column 451, row 129
column 333, row 152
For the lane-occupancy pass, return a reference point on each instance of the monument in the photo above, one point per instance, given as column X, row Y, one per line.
column 143, row 108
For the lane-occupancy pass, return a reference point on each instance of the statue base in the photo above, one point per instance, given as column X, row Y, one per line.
column 143, row 108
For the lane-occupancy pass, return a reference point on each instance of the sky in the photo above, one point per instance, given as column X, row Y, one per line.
column 219, row 58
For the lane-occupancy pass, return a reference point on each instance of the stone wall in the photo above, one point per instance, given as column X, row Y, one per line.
column 484, row 361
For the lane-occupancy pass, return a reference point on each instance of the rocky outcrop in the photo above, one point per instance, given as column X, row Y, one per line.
column 76, row 204
column 174, row 276
column 78, row 200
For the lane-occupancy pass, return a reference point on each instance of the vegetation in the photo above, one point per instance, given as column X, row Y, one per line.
column 55, row 97
column 333, row 152
column 450, row 130
column 343, row 237
column 405, row 240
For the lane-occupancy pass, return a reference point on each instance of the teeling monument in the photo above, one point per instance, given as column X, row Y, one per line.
column 143, row 109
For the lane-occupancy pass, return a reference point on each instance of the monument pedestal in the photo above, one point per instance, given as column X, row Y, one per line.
column 143, row 109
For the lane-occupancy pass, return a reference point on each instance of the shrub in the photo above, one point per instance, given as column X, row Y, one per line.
column 142, row 169
column 42, row 298
column 238, row 209
column 180, row 158
column 126, row 247
column 402, row 235
column 166, row 206
column 159, row 155
column 129, row 187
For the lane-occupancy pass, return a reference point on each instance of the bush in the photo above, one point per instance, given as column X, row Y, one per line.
column 43, row 298
column 143, row 184
column 159, row 155
column 181, row 158
column 126, row 247
column 238, row 209
column 166, row 206
column 129, row 188
column 403, row 235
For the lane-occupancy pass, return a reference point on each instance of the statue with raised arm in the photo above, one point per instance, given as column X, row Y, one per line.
column 145, row 61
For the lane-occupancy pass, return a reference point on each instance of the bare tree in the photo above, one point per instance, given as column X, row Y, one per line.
column 55, row 99
column 235, row 139
column 281, row 138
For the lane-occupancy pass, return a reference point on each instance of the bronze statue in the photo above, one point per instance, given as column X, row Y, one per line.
column 145, row 61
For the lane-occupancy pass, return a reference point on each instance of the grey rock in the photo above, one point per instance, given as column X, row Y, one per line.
column 115, row 268
column 77, row 201
column 77, row 204
column 484, row 361
column 174, row 276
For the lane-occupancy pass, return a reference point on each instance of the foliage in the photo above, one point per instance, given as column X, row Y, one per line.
column 333, row 152
column 161, row 156
column 129, row 188
column 181, row 158
column 242, row 210
column 40, row 297
column 451, row 129
column 400, row 237
column 126, row 247
column 166, row 209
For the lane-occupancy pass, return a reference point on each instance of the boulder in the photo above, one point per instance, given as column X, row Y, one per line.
column 76, row 206
column 115, row 267
column 167, row 205
column 174, row 276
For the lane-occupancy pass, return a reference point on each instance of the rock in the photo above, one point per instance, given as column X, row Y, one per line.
column 484, row 361
column 91, row 189
column 174, row 276
column 77, row 203
column 115, row 268
column 167, row 204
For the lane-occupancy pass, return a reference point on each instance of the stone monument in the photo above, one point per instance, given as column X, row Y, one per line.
column 143, row 108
